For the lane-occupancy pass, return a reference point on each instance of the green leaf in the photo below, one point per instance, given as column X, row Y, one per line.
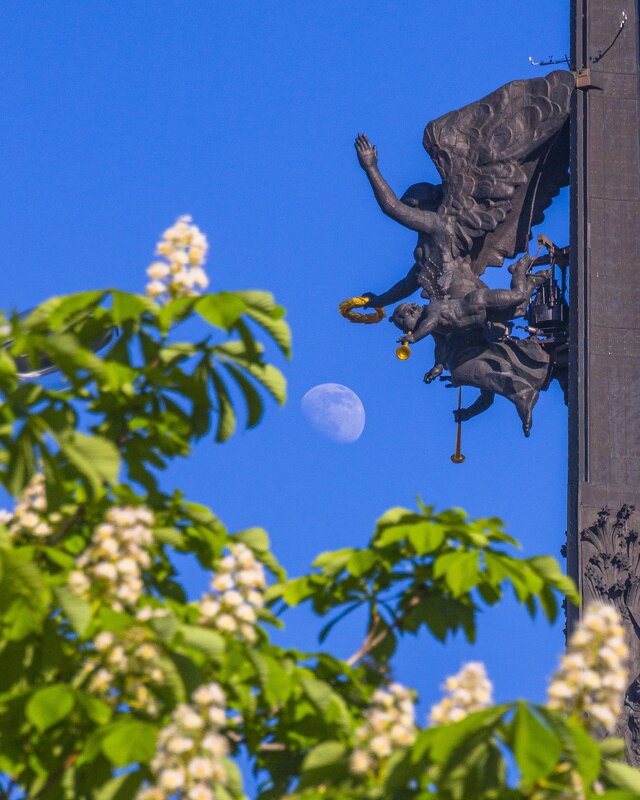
column 460, row 570
column 549, row 569
column 255, row 406
column 255, row 538
column 278, row 329
column 97, row 710
column 622, row 776
column 275, row 681
column 324, row 755
column 208, row 642
column 612, row 747
column 170, row 536
column 260, row 300
column 124, row 787
column 77, row 610
column 360, row 562
column 536, row 747
column 226, row 414
column 222, row 309
column 48, row 706
column 443, row 740
column 129, row 741
column 426, row 537
column 131, row 306
column 272, row 380
column 296, row 590
column 585, row 751
column 95, row 457
column 57, row 310
column 329, row 703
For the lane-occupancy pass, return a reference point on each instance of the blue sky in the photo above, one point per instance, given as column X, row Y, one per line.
column 120, row 117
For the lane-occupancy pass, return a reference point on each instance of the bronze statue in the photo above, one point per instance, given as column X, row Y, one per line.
column 502, row 161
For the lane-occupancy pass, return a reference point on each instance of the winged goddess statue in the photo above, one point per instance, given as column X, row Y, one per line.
column 502, row 160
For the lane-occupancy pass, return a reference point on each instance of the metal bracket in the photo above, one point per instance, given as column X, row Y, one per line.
column 583, row 78
column 549, row 61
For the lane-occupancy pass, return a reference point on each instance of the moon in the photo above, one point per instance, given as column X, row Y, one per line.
column 335, row 411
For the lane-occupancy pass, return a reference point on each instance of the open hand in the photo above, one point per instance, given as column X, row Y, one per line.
column 367, row 152
column 433, row 373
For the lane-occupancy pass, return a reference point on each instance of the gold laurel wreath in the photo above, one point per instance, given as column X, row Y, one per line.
column 346, row 309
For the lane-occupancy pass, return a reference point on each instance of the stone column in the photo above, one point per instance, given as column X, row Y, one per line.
column 604, row 388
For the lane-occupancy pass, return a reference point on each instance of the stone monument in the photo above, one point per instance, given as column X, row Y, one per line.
column 603, row 550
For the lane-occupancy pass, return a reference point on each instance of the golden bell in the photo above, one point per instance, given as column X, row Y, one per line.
column 403, row 352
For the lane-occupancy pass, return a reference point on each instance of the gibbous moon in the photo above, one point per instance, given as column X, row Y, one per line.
column 335, row 411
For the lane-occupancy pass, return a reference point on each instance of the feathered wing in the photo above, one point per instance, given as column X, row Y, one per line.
column 502, row 160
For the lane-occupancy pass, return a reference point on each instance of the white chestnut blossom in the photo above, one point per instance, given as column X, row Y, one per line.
column 390, row 724
column 124, row 669
column 467, row 692
column 237, row 594
column 593, row 675
column 190, row 759
column 111, row 566
column 30, row 516
column 183, row 250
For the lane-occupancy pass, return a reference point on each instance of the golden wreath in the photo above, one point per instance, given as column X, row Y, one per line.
column 346, row 309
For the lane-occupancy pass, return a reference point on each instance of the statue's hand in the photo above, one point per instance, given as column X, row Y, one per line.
column 406, row 339
column 367, row 152
column 372, row 300
column 433, row 373
column 461, row 414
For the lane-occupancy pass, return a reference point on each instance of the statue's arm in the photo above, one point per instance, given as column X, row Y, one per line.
column 480, row 404
column 427, row 324
column 439, row 357
column 405, row 287
column 415, row 218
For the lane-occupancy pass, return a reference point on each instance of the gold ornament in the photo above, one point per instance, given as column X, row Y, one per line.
column 346, row 309
column 403, row 352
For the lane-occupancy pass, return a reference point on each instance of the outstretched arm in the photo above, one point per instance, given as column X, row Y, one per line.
column 427, row 324
column 408, row 285
column 415, row 218
column 439, row 358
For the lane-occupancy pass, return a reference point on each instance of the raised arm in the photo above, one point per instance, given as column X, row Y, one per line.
column 415, row 218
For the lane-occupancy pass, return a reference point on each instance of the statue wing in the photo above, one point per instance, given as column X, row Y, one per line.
column 502, row 160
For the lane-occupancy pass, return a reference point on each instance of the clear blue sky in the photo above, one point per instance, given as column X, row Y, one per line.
column 118, row 117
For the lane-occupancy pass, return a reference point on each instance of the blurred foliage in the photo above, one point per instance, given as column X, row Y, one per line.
column 101, row 430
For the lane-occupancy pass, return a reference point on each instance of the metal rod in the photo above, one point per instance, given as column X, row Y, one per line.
column 457, row 457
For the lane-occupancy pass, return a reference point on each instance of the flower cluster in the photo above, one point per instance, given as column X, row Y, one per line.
column 190, row 758
column 30, row 516
column 237, row 592
column 390, row 723
column 593, row 674
column 111, row 567
column 467, row 692
column 125, row 669
column 184, row 249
